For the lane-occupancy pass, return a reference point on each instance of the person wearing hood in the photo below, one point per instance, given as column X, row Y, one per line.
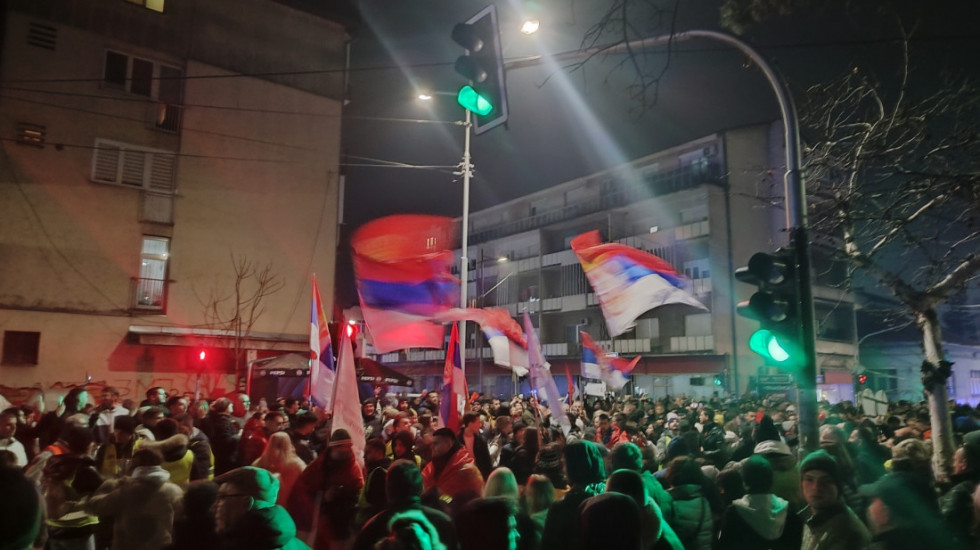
column 586, row 478
column 904, row 515
column 785, row 470
column 404, row 489
column 655, row 532
column 451, row 470
column 246, row 515
column 174, row 447
column 760, row 520
column 142, row 507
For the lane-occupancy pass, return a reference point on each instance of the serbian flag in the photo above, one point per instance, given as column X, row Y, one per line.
column 401, row 268
column 453, row 384
column 541, row 378
column 573, row 392
column 590, row 363
column 612, row 369
column 628, row 282
column 322, row 370
column 347, row 402
column 504, row 335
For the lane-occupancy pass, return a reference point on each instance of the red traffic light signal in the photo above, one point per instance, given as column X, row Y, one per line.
column 352, row 329
column 202, row 355
column 862, row 378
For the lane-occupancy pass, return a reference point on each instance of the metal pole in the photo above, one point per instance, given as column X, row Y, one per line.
column 467, row 169
column 796, row 215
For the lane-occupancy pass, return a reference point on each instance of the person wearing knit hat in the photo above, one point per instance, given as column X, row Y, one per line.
column 586, row 475
column 828, row 522
column 246, row 515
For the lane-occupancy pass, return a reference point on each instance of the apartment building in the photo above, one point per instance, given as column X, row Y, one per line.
column 705, row 206
column 158, row 157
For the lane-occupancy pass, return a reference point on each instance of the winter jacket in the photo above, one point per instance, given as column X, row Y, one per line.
column 458, row 476
column 760, row 522
column 263, row 529
column 337, row 484
column 693, row 521
column 835, row 529
column 142, row 507
column 200, row 447
column 956, row 506
column 222, row 433
column 111, row 458
column 785, row 472
column 177, row 457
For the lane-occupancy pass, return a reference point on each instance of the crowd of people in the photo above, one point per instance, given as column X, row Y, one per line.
column 633, row 473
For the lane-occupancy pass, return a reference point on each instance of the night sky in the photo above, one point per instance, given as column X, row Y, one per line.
column 568, row 123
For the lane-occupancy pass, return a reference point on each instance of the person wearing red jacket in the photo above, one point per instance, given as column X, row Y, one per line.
column 452, row 470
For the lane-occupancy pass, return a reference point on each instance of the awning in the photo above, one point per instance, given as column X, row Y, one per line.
column 373, row 372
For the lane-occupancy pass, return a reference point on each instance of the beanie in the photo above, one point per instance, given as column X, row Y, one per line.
column 257, row 483
column 823, row 461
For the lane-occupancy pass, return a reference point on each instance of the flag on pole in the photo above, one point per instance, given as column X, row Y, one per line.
column 628, row 282
column 346, row 401
column 572, row 388
column 590, row 363
column 610, row 368
column 453, row 384
column 541, row 378
column 322, row 369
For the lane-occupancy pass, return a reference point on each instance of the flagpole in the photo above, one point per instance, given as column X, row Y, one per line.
column 467, row 169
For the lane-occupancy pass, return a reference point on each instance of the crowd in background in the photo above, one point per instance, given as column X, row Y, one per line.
column 634, row 472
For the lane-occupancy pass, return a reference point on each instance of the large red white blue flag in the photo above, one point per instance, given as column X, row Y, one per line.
column 628, row 282
column 322, row 370
column 401, row 267
column 541, row 379
column 453, row 393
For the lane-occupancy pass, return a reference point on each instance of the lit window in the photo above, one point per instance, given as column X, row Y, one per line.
column 151, row 287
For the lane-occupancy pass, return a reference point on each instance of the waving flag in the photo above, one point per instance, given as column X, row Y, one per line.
column 401, row 267
column 322, row 370
column 628, row 282
column 610, row 368
column 453, row 384
column 541, row 378
column 347, row 402
column 504, row 334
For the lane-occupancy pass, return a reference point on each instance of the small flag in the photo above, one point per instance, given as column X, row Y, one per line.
column 322, row 369
column 541, row 378
column 611, row 369
column 628, row 282
column 453, row 384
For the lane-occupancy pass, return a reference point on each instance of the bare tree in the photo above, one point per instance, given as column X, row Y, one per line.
column 894, row 177
column 233, row 312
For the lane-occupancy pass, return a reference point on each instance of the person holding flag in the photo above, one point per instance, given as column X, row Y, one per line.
column 541, row 378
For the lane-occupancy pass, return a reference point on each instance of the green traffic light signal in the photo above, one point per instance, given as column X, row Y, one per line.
column 775, row 347
column 472, row 101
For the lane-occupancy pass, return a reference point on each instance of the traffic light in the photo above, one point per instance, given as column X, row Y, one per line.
column 483, row 66
column 719, row 380
column 862, row 379
column 775, row 305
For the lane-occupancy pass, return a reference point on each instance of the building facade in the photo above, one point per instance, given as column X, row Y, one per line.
column 705, row 207
column 162, row 161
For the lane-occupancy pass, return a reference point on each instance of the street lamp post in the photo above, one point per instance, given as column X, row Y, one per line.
column 796, row 214
column 466, row 170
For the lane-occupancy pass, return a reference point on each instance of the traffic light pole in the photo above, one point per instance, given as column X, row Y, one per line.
column 466, row 168
column 796, row 214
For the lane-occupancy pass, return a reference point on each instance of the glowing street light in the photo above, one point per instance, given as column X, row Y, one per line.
column 530, row 26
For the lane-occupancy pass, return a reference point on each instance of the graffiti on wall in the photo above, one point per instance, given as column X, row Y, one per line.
column 132, row 387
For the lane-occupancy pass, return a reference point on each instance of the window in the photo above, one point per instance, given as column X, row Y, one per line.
column 974, row 383
column 155, row 5
column 20, row 348
column 134, row 166
column 162, row 83
column 151, row 286
column 30, row 134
